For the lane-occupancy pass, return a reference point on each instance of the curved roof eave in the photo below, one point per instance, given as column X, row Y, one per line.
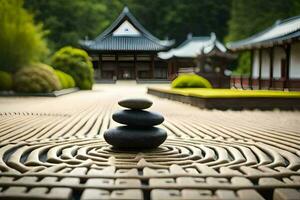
column 285, row 29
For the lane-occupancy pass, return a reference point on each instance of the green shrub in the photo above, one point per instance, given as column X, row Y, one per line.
column 36, row 78
column 191, row 81
column 75, row 62
column 5, row 81
column 70, row 81
column 66, row 80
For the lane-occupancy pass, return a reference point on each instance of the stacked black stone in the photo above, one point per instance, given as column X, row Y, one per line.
column 139, row 132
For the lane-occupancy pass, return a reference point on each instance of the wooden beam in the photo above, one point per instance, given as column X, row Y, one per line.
column 251, row 68
column 100, row 65
column 135, row 67
column 288, row 58
column 117, row 66
column 271, row 54
column 260, row 63
column 152, row 66
column 169, row 69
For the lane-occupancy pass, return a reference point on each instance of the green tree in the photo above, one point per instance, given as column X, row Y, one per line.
column 68, row 21
column 21, row 41
column 250, row 17
column 72, row 20
column 177, row 18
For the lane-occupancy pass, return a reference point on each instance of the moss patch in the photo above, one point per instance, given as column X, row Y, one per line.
column 229, row 93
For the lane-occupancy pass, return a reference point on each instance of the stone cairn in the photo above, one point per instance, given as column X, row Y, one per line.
column 139, row 131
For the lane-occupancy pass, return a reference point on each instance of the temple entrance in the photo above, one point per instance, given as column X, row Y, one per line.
column 126, row 73
column 129, row 67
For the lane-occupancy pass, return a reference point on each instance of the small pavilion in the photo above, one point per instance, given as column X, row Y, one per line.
column 126, row 50
column 205, row 56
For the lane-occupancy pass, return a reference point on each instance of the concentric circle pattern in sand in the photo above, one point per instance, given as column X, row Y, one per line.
column 60, row 153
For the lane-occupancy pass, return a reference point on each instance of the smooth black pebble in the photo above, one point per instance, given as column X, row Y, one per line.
column 132, row 138
column 138, row 118
column 136, row 104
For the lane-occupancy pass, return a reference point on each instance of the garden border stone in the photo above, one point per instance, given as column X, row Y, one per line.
column 234, row 103
column 49, row 94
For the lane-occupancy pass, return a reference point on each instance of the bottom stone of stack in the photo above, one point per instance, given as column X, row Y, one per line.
column 135, row 138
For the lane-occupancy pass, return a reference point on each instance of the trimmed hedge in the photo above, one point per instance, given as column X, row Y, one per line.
column 76, row 63
column 6, row 81
column 66, row 80
column 36, row 78
column 190, row 81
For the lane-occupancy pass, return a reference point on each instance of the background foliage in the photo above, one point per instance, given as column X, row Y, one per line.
column 21, row 40
column 67, row 21
column 71, row 20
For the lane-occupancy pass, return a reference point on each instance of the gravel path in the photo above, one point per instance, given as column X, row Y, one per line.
column 53, row 148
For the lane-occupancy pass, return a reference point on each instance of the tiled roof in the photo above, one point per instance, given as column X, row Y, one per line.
column 144, row 41
column 193, row 47
column 126, row 43
column 280, row 31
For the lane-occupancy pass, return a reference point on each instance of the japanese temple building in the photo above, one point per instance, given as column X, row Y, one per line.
column 275, row 56
column 205, row 56
column 126, row 50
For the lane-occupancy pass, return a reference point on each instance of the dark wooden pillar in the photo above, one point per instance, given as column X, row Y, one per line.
column 135, row 67
column 152, row 66
column 259, row 65
column 250, row 81
column 169, row 69
column 117, row 66
column 100, row 66
column 287, row 72
column 173, row 69
column 271, row 54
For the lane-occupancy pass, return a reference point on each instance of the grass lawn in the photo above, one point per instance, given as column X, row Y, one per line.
column 230, row 93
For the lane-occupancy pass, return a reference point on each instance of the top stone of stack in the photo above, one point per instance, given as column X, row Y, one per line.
column 135, row 104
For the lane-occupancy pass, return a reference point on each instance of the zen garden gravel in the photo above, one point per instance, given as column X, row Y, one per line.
column 53, row 148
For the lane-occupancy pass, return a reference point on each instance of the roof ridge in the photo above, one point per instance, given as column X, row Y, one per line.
column 288, row 19
column 193, row 38
column 126, row 13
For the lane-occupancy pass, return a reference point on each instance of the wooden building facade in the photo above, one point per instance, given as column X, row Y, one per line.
column 126, row 50
column 275, row 57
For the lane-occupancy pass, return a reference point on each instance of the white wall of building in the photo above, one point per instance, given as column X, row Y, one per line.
column 295, row 61
column 265, row 64
column 255, row 70
column 265, row 70
column 278, row 55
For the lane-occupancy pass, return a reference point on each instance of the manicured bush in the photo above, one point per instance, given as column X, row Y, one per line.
column 66, row 80
column 75, row 62
column 5, row 81
column 191, row 81
column 36, row 78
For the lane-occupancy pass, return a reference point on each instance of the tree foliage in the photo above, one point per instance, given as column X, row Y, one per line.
column 68, row 21
column 71, row 20
column 21, row 41
column 5, row 81
column 250, row 17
